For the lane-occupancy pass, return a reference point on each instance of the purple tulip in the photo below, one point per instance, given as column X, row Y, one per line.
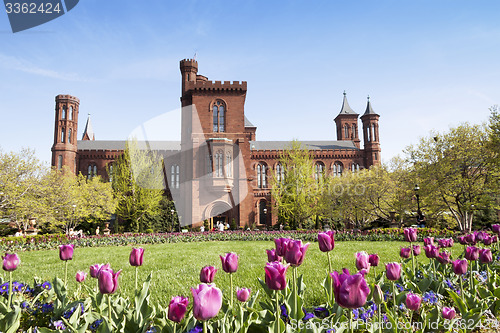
column 428, row 241
column 413, row 301
column 494, row 239
column 471, row 253
column 136, row 257
column 276, row 275
column 207, row 301
column 362, row 261
column 416, row 250
column 94, row 269
column 273, row 256
column 393, row 271
column 243, row 294
column 450, row 242
column 374, row 260
column 449, row 313
column 485, row 256
column 460, row 266
column 80, row 276
column 462, row 240
column 207, row 274
column 10, row 262
column 470, row 239
column 177, row 308
column 410, row 234
column 495, row 228
column 488, row 240
column 66, row 252
column 108, row 280
column 479, row 235
column 351, row 291
column 326, row 241
column 229, row 262
column 405, row 252
column 295, row 252
column 431, row 251
column 281, row 246
column 444, row 257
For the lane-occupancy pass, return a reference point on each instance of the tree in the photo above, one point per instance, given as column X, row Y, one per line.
column 296, row 195
column 138, row 184
column 454, row 171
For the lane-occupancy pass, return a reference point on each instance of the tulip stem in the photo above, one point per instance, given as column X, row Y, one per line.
column 380, row 317
column 296, row 293
column 329, row 262
column 204, row 326
column 277, row 312
column 231, row 284
column 10, row 289
column 412, row 259
column 66, row 273
column 136, row 272
column 471, row 287
column 109, row 308
column 394, row 304
column 175, row 327
column 350, row 321
column 462, row 287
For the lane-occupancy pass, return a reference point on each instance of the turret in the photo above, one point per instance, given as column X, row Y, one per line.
column 371, row 136
column 64, row 148
column 347, row 123
column 189, row 70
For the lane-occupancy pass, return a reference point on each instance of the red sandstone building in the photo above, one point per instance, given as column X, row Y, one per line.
column 218, row 171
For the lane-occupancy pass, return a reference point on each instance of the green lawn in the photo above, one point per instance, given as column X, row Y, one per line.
column 176, row 267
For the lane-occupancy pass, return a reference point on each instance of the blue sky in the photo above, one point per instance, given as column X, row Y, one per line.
column 427, row 65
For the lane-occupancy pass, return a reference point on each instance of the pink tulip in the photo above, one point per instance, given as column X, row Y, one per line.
column 80, row 276
column 295, row 252
column 108, row 281
column 471, row 253
column 413, row 301
column 462, row 240
column 470, row 239
column 410, row 234
column 207, row 274
column 229, row 262
column 281, row 246
column 416, row 250
column 374, row 260
column 405, row 252
column 66, row 252
column 495, row 228
column 479, row 235
column 177, row 308
column 351, row 291
column 488, row 240
column 94, row 269
column 444, row 257
column 393, row 271
column 10, row 262
column 276, row 275
column 460, row 266
column 428, row 241
column 243, row 294
column 485, row 256
column 136, row 257
column 326, row 241
column 431, row 251
column 362, row 261
column 449, row 313
column 273, row 256
column 207, row 301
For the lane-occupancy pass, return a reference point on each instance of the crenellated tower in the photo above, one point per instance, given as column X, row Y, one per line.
column 371, row 136
column 64, row 149
column 347, row 123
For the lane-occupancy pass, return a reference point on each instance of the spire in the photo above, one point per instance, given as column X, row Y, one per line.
column 369, row 109
column 88, row 133
column 346, row 109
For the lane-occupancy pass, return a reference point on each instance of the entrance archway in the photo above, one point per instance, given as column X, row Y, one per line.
column 219, row 211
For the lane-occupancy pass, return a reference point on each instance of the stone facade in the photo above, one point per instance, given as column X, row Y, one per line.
column 218, row 171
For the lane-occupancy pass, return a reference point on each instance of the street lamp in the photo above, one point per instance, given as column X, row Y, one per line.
column 420, row 216
column 265, row 216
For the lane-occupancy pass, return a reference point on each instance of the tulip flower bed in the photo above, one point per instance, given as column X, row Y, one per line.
column 328, row 286
column 43, row 242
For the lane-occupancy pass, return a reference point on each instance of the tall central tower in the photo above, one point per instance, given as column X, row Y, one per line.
column 64, row 149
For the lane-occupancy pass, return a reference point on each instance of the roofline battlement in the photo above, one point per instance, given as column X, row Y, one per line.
column 67, row 97
column 216, row 85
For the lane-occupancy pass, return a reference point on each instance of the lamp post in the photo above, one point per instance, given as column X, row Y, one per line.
column 265, row 216
column 172, row 212
column 420, row 217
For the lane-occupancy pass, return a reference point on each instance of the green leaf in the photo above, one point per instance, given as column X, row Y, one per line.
column 458, row 302
column 424, row 284
column 11, row 321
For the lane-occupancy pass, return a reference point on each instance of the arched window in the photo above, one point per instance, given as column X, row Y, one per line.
column 63, row 112
column 69, row 135
column 91, row 171
column 261, row 176
column 374, row 133
column 59, row 162
column 346, row 131
column 219, row 164
column 337, row 169
column 63, row 136
column 229, row 165
column 280, row 173
column 70, row 113
column 368, row 134
column 262, row 212
column 219, row 115
column 174, row 176
column 319, row 169
column 95, row 170
column 355, row 167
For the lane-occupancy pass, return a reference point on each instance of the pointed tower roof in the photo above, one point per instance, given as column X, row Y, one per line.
column 369, row 109
column 346, row 109
column 88, row 133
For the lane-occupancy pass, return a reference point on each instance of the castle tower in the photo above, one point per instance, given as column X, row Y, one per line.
column 347, row 123
column 64, row 148
column 370, row 135
column 189, row 70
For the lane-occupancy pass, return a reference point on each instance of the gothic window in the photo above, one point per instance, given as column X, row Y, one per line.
column 337, row 169
column 219, row 164
column 280, row 173
column 63, row 112
column 368, row 134
column 69, row 135
column 376, row 156
column 70, row 113
column 219, row 115
column 374, row 133
column 354, row 131
column 319, row 169
column 346, row 131
column 174, row 176
column 261, row 176
column 91, row 171
column 63, row 135
column 229, row 165
column 59, row 162
column 355, row 167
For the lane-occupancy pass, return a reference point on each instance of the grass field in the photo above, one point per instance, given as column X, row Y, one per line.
column 176, row 267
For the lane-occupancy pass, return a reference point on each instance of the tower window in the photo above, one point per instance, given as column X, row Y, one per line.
column 219, row 114
column 63, row 137
column 59, row 162
column 376, row 156
column 374, row 133
column 319, row 169
column 63, row 112
column 368, row 134
column 175, row 176
column 70, row 113
column 69, row 135
column 346, row 131
column 261, row 176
